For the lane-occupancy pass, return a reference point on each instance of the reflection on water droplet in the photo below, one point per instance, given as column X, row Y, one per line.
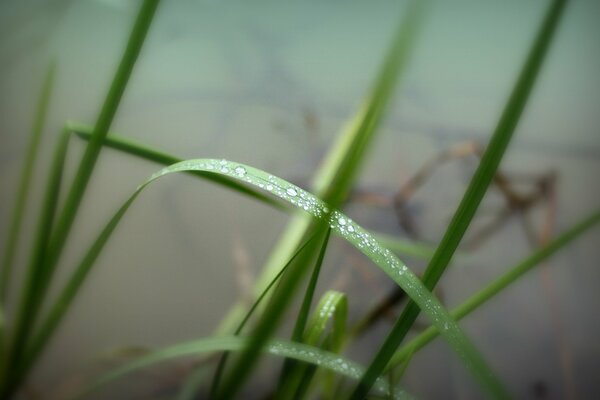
column 269, row 187
column 342, row 221
column 241, row 171
column 291, row 191
column 350, row 228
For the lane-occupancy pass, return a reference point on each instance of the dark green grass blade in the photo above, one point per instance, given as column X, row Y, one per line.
column 44, row 226
column 501, row 283
column 332, row 306
column 223, row 360
column 129, row 146
column 300, row 324
column 276, row 347
column 28, row 311
column 269, row 320
column 474, row 194
column 25, row 181
column 335, row 177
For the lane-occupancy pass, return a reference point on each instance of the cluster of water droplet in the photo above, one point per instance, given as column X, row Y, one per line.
column 327, row 360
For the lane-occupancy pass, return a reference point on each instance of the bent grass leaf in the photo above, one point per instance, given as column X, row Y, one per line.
column 282, row 348
column 339, row 223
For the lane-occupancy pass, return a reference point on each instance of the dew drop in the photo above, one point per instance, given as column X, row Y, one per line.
column 269, row 187
column 291, row 191
column 342, row 221
column 350, row 228
column 240, row 171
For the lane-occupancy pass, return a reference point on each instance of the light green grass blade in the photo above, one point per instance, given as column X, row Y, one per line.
column 140, row 150
column 276, row 347
column 14, row 229
column 501, row 283
column 339, row 223
column 474, row 194
column 335, row 177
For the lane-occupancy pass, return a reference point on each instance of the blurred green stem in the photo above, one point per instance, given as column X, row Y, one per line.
column 24, row 183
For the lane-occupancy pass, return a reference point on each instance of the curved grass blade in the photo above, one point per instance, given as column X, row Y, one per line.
column 276, row 347
column 339, row 223
column 335, row 177
column 132, row 147
column 478, row 299
column 474, row 194
column 29, row 310
column 24, row 183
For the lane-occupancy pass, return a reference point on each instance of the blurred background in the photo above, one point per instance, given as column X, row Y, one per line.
column 271, row 84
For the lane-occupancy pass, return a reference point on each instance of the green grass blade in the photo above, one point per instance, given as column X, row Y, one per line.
column 473, row 195
column 223, row 360
column 342, row 226
column 334, row 178
column 44, row 226
column 276, row 347
column 363, row 241
column 84, row 172
column 25, row 181
column 272, row 315
column 333, row 306
column 132, row 147
column 303, row 314
column 497, row 286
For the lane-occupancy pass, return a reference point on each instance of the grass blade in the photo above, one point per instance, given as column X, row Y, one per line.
column 24, row 183
column 270, row 318
column 276, row 347
column 223, row 360
column 300, row 325
column 334, row 178
column 473, row 195
column 129, row 146
column 363, row 241
column 501, row 283
column 332, row 306
column 339, row 223
column 46, row 218
column 28, row 310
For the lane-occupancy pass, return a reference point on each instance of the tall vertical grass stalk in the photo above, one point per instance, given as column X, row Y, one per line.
column 474, row 193
column 14, row 229
column 334, row 178
column 43, row 271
